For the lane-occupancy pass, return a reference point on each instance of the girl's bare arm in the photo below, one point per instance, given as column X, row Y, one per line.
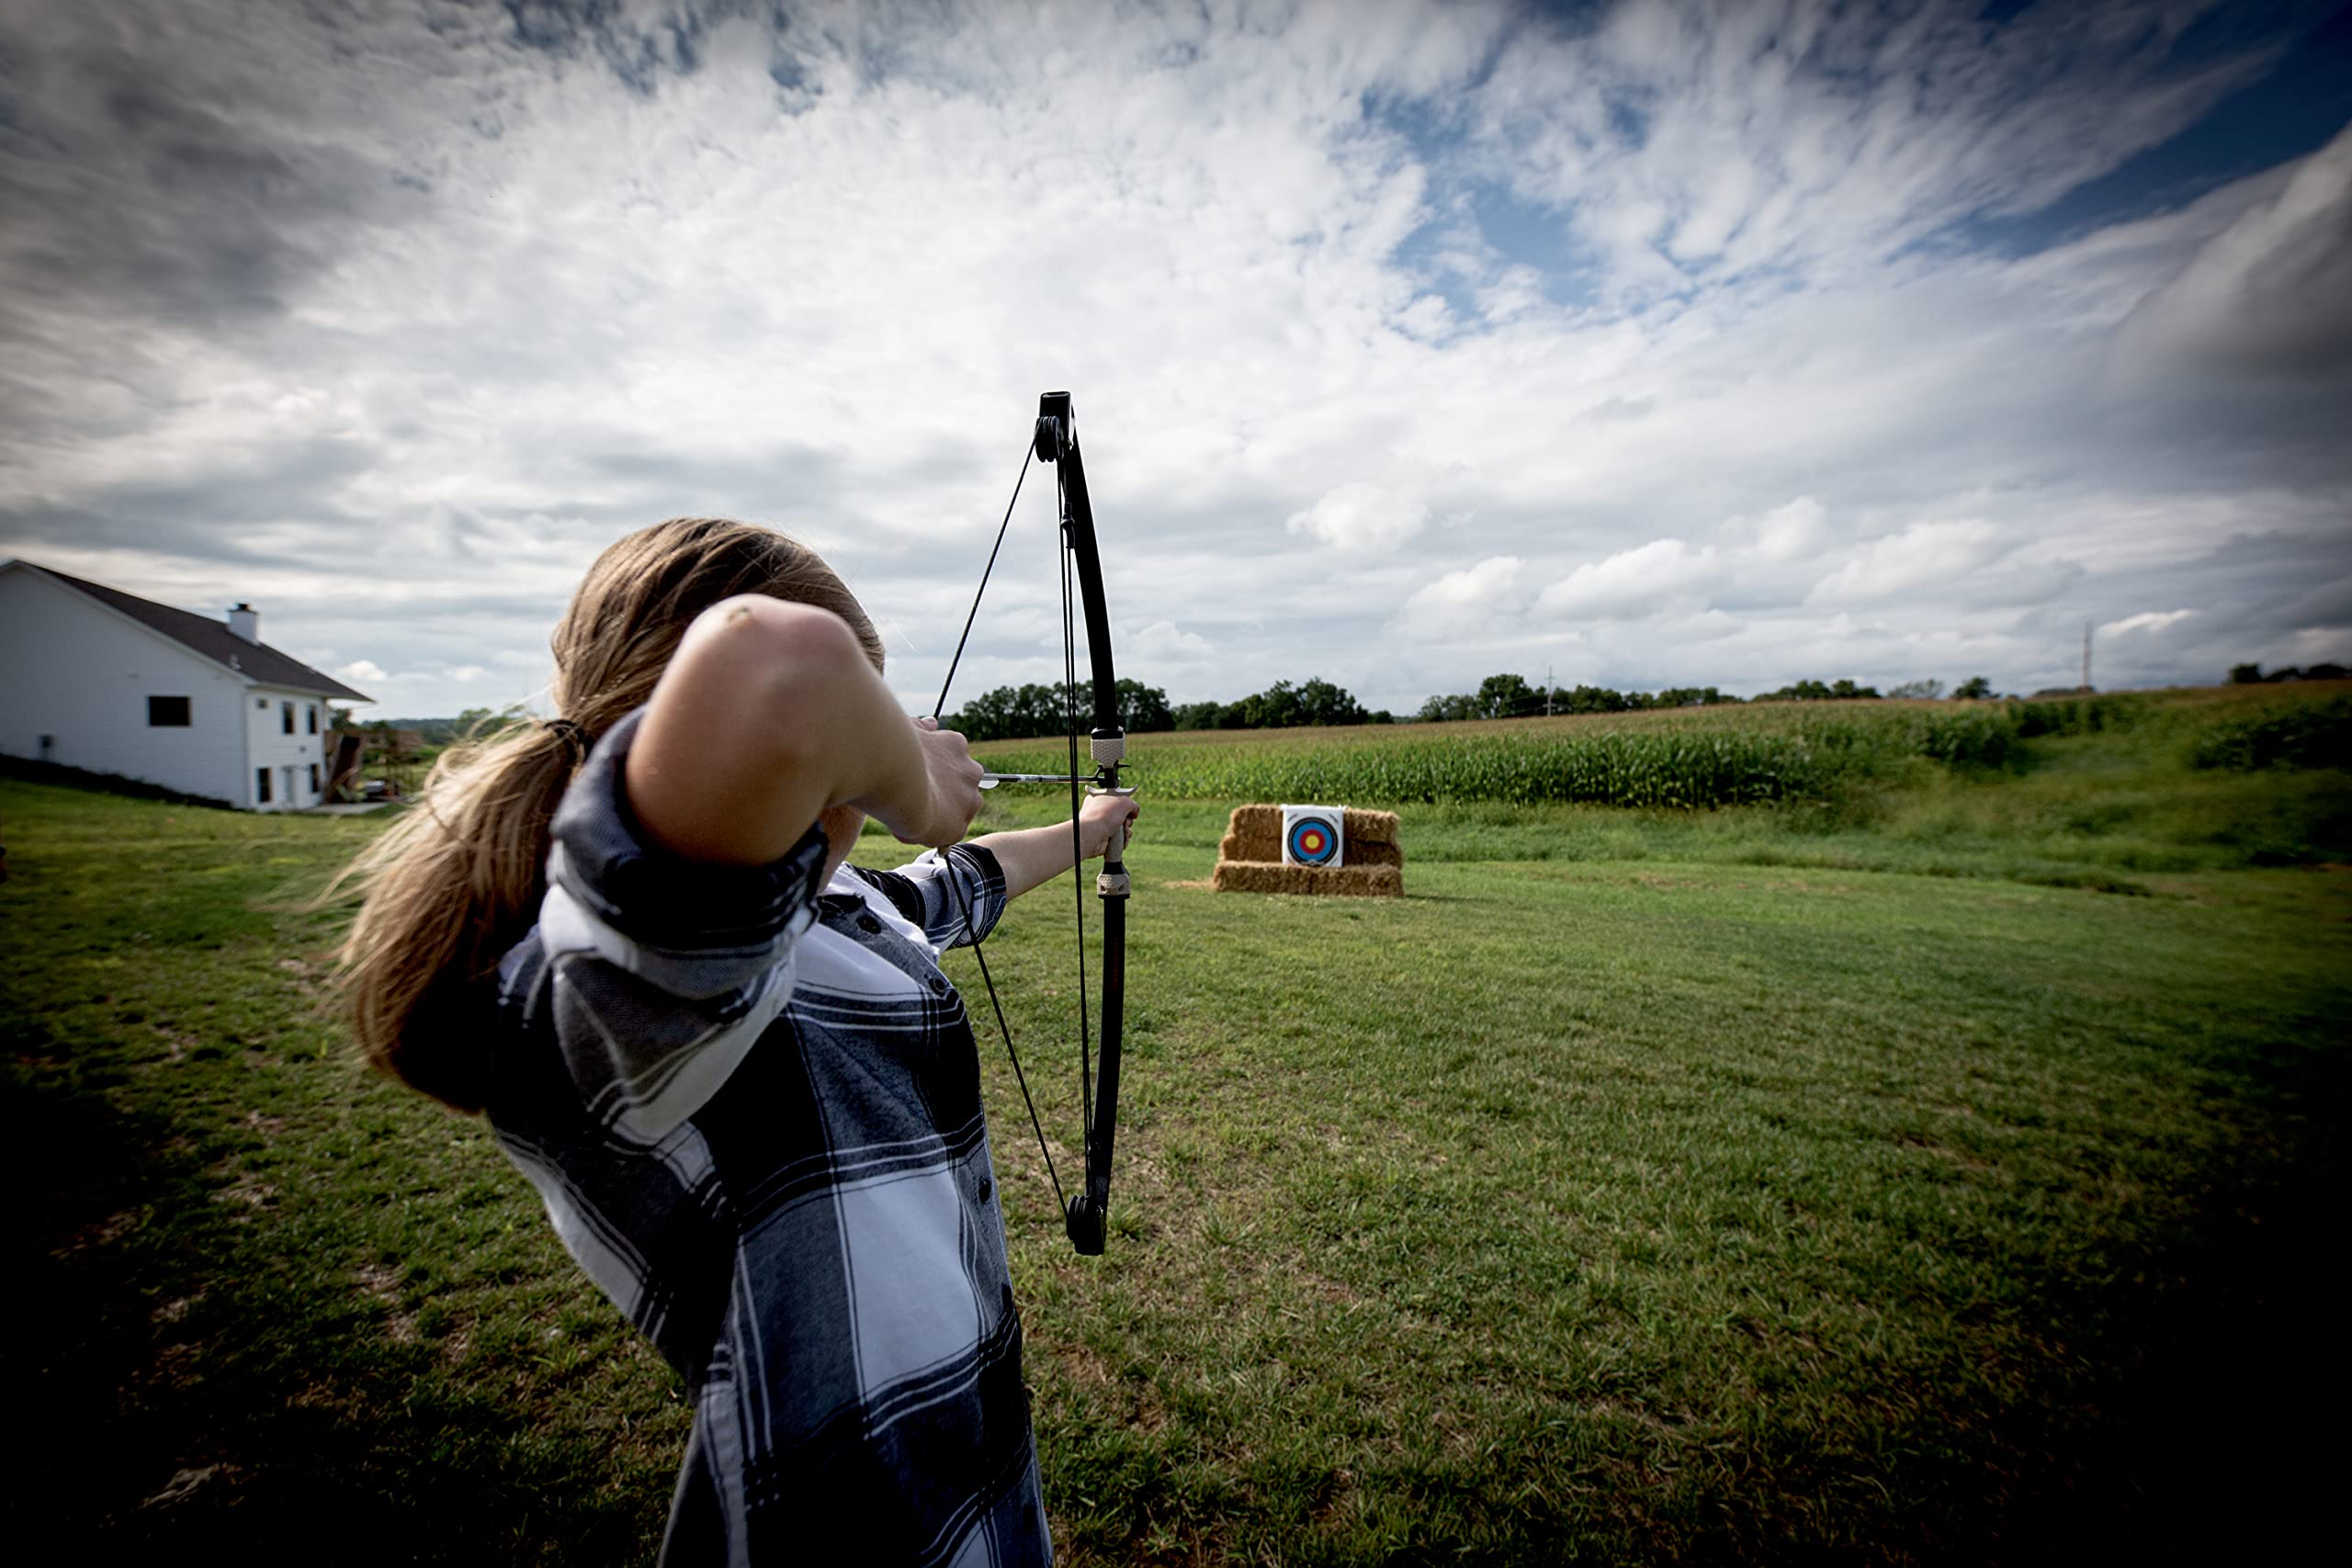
column 768, row 714
column 1030, row 856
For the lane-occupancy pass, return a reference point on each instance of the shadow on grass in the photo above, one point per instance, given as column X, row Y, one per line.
column 191, row 1390
column 2205, row 1363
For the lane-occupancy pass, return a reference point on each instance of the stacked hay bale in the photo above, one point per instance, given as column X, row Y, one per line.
column 1251, row 858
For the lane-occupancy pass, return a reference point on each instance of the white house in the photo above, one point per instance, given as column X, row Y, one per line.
column 95, row 678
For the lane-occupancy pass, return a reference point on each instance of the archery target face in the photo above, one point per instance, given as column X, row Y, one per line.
column 1312, row 834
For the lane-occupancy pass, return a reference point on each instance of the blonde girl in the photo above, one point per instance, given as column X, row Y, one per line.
column 728, row 1061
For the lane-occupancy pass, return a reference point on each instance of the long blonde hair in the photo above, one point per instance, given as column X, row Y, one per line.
column 448, row 889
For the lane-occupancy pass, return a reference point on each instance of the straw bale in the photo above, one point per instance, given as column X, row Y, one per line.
column 1251, row 846
column 1360, row 827
column 1260, row 876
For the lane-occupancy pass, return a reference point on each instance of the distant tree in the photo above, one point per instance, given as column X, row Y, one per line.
column 1143, row 709
column 1508, row 696
column 1320, row 701
column 1691, row 697
column 1282, row 705
column 2245, row 675
column 1276, row 708
column 1380, row 716
column 1589, row 699
column 1815, row 692
column 1446, row 709
column 2324, row 673
column 1012, row 713
column 1929, row 689
column 1974, row 689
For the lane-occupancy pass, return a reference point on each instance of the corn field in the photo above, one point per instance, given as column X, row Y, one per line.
column 1695, row 759
column 1775, row 755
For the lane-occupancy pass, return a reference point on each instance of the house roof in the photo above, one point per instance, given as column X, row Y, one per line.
column 257, row 662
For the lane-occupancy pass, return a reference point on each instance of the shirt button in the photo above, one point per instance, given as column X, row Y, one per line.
column 939, row 985
column 987, row 1187
column 869, row 925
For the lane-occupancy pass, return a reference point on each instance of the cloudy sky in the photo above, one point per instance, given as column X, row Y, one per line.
column 1644, row 344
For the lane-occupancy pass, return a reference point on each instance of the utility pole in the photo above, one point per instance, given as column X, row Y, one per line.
column 1548, row 691
column 2087, row 656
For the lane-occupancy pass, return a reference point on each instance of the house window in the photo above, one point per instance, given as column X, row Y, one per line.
column 287, row 715
column 168, row 713
column 314, row 718
column 261, row 785
column 314, row 778
column 262, row 703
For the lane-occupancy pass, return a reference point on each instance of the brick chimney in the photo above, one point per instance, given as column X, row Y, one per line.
column 245, row 621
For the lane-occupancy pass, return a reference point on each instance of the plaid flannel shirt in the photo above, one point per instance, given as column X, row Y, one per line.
column 753, row 1110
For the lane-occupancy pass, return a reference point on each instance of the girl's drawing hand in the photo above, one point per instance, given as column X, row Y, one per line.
column 955, row 785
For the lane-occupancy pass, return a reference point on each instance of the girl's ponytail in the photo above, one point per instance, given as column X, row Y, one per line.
column 448, row 888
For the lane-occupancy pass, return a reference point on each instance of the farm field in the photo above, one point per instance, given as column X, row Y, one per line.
column 1941, row 1164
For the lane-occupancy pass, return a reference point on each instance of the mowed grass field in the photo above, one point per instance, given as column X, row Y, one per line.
column 1946, row 1165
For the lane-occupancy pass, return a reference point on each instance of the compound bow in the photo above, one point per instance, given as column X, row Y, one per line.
column 1056, row 442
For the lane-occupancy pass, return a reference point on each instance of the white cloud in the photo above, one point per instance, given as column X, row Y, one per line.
column 1792, row 531
column 1471, row 600
column 1164, row 641
column 1633, row 581
column 1362, row 516
column 362, row 670
column 2146, row 621
column 1925, row 553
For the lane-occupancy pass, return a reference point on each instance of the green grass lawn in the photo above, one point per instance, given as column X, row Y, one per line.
column 1948, row 1174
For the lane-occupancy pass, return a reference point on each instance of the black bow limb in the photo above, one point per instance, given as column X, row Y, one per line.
column 1085, row 1214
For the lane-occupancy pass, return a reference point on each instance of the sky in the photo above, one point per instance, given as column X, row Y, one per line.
column 1640, row 344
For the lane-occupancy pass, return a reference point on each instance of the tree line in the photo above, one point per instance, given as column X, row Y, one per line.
column 1013, row 713
column 2253, row 675
column 1017, row 712
column 1511, row 697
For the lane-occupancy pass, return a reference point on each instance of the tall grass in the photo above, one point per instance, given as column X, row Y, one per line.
column 2315, row 736
column 1693, row 759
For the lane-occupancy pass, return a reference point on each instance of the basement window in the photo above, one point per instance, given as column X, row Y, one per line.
column 261, row 785
column 168, row 713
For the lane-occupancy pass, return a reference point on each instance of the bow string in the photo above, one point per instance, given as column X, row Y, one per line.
column 1054, row 441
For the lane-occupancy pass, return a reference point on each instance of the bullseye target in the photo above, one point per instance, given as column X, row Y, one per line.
column 1312, row 834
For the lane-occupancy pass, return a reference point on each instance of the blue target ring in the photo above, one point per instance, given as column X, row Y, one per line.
column 1312, row 841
